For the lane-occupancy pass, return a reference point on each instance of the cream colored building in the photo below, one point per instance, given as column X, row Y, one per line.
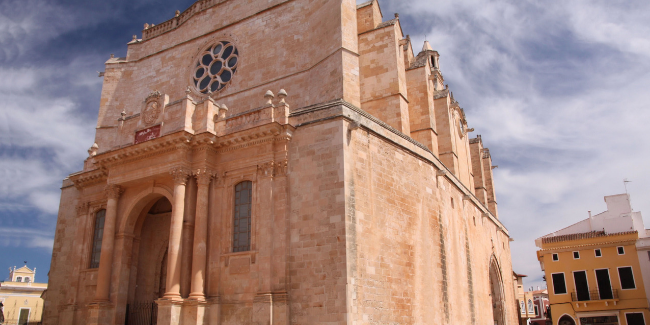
column 21, row 297
column 596, row 269
column 280, row 162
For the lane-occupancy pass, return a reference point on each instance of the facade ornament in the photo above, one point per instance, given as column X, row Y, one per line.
column 152, row 108
column 113, row 191
column 204, row 176
column 266, row 169
column 146, row 26
column 92, row 151
column 177, row 13
column 281, row 168
column 269, row 98
column 220, row 179
column 180, row 175
column 282, row 95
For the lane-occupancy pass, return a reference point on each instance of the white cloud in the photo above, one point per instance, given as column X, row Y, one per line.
column 558, row 92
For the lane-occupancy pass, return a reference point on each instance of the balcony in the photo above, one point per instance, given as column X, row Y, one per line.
column 595, row 295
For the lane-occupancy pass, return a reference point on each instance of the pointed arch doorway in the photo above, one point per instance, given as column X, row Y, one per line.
column 497, row 294
column 148, row 274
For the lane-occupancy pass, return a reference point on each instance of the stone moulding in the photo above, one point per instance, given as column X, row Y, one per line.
column 85, row 179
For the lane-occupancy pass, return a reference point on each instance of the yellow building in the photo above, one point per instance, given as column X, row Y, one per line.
column 593, row 269
column 21, row 297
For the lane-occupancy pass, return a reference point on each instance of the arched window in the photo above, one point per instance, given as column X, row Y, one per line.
column 97, row 238
column 19, row 279
column 27, row 279
column 241, row 235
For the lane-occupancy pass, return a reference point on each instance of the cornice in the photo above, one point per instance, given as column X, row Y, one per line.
column 88, row 178
column 143, row 150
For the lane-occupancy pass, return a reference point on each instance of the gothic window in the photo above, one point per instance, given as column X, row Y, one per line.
column 97, row 238
column 215, row 67
column 241, row 241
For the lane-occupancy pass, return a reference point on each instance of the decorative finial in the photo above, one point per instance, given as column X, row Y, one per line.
column 396, row 16
column 146, row 26
column 112, row 56
column 92, row 151
column 123, row 114
column 178, row 13
column 282, row 94
column 426, row 46
column 269, row 97
column 188, row 91
column 135, row 37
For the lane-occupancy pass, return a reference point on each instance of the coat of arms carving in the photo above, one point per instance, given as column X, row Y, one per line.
column 152, row 108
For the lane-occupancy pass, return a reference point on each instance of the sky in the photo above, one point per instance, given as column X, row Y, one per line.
column 558, row 90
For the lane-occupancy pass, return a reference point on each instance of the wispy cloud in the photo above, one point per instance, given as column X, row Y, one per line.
column 559, row 92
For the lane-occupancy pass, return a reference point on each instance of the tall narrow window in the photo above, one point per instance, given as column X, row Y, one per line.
column 97, row 238
column 626, row 277
column 559, row 284
column 241, row 239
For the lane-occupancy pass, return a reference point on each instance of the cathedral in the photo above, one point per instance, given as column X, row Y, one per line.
column 280, row 162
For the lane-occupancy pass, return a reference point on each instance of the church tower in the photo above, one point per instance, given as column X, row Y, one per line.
column 280, row 162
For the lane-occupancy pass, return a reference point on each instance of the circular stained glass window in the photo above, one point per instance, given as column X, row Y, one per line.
column 215, row 67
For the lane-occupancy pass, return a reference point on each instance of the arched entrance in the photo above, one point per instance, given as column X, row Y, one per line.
column 497, row 294
column 149, row 262
column 566, row 320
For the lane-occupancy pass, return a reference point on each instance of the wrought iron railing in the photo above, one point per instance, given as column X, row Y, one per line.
column 144, row 313
column 595, row 295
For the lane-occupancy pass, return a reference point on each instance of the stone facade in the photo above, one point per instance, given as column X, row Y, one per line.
column 369, row 203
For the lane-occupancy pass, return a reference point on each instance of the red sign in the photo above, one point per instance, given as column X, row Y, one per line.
column 147, row 134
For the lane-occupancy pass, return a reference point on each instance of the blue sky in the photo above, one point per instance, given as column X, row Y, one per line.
column 557, row 89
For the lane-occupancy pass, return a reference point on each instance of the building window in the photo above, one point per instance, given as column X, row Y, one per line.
column 536, row 310
column 576, row 255
column 27, row 279
column 522, row 306
column 19, row 279
column 621, row 250
column 634, row 319
column 242, row 219
column 98, row 235
column 530, row 306
column 559, row 284
column 648, row 255
column 556, row 257
column 626, row 277
column 598, row 252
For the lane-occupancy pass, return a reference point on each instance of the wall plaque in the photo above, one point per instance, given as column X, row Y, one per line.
column 147, row 134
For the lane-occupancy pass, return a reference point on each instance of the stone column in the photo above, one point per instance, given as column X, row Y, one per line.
column 102, row 294
column 180, row 175
column 199, row 256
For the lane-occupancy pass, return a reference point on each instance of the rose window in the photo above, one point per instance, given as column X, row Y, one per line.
column 215, row 68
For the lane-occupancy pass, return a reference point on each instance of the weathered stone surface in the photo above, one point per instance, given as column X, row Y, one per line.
column 364, row 207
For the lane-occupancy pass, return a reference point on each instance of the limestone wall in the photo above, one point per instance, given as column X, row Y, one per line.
column 409, row 232
column 296, row 45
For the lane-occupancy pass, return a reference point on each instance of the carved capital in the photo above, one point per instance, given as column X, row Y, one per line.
column 82, row 208
column 113, row 191
column 220, row 179
column 280, row 168
column 180, row 175
column 266, row 169
column 204, row 176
